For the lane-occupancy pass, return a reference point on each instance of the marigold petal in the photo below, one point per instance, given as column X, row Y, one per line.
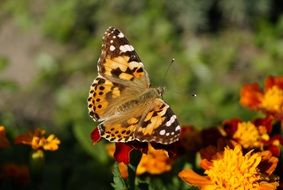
column 205, row 164
column 268, row 186
column 273, row 81
column 154, row 162
column 24, row 139
column 52, row 143
column 192, row 178
column 95, row 136
column 122, row 153
column 250, row 95
column 123, row 168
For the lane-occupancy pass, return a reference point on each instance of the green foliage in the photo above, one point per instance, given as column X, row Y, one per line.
column 118, row 181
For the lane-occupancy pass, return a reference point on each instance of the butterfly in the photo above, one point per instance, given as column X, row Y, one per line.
column 122, row 100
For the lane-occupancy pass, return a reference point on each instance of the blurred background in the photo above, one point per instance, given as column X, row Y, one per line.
column 49, row 51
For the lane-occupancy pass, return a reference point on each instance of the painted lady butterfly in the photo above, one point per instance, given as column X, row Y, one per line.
column 121, row 97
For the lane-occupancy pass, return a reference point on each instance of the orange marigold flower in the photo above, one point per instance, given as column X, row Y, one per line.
column 4, row 143
column 251, row 95
column 252, row 134
column 248, row 135
column 269, row 101
column 232, row 170
column 154, row 162
column 37, row 140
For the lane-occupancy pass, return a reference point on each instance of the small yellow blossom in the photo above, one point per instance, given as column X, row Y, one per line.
column 37, row 140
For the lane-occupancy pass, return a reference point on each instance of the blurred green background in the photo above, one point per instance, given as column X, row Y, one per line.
column 49, row 51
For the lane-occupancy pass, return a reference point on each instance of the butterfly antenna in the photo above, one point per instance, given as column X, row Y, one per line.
column 165, row 74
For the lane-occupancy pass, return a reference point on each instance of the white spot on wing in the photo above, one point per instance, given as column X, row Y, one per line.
column 172, row 119
column 121, row 35
column 126, row 47
column 112, row 48
column 178, row 128
column 162, row 132
column 134, row 64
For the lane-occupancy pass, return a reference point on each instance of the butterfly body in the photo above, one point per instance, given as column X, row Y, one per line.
column 122, row 99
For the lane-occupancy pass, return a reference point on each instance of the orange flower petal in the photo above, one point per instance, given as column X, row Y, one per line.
column 250, row 95
column 205, row 164
column 192, row 178
column 273, row 81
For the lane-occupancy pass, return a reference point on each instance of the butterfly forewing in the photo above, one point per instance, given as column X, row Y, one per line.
column 119, row 59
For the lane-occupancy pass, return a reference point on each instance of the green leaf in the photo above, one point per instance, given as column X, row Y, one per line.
column 118, row 182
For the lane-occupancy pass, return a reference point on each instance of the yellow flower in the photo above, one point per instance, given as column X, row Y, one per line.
column 273, row 99
column 248, row 135
column 37, row 140
column 270, row 100
column 154, row 162
column 231, row 170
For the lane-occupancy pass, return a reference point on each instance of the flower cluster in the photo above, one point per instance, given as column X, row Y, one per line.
column 237, row 154
column 244, row 154
column 18, row 175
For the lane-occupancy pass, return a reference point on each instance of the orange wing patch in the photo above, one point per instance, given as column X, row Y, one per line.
column 99, row 93
column 121, row 67
column 119, row 132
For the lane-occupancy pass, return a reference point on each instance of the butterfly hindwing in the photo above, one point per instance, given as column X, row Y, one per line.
column 160, row 124
column 156, row 123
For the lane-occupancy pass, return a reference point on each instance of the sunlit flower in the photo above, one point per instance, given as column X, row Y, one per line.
column 17, row 175
column 4, row 143
column 37, row 140
column 233, row 170
column 153, row 161
column 250, row 134
column 270, row 100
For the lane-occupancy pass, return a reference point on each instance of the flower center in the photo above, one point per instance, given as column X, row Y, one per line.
column 273, row 99
column 235, row 170
column 247, row 134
